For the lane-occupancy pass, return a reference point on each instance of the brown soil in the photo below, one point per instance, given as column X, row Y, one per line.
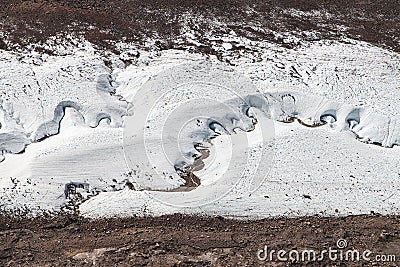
column 186, row 241
column 180, row 240
column 104, row 22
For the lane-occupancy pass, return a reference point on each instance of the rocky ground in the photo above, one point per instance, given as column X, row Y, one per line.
column 167, row 23
column 69, row 240
column 188, row 241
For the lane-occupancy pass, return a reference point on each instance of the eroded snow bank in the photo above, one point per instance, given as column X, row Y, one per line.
column 36, row 89
column 352, row 88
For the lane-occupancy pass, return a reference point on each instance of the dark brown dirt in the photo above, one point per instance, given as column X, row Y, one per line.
column 104, row 22
column 180, row 240
column 186, row 241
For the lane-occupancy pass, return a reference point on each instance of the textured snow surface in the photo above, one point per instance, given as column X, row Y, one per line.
column 37, row 88
column 350, row 90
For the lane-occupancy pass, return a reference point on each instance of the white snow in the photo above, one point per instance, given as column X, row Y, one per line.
column 351, row 86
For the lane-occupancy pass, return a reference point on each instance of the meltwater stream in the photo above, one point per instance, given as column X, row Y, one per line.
column 191, row 107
